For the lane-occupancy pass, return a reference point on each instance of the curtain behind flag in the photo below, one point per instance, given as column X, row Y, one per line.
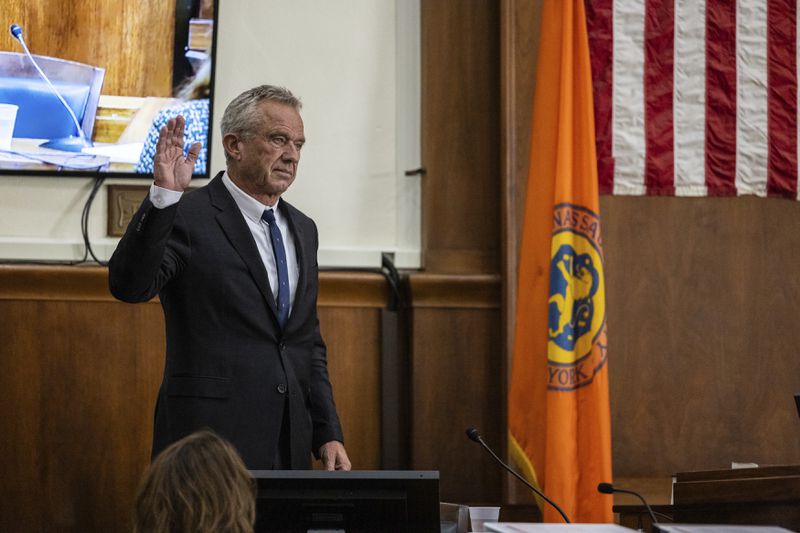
column 559, row 422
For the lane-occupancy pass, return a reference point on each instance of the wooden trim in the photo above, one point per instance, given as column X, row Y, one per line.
column 519, row 48
column 352, row 289
column 508, row 241
column 769, row 490
column 40, row 282
column 739, row 473
column 90, row 284
column 455, row 291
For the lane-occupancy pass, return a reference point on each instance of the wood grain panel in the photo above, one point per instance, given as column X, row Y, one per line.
column 456, row 357
column 133, row 41
column 90, row 283
column 520, row 48
column 456, row 382
column 76, row 415
column 702, row 312
column 80, row 376
column 354, row 346
column 455, row 291
column 519, row 29
column 460, row 136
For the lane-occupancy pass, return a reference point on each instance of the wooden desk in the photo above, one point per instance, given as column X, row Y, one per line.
column 768, row 495
column 750, row 496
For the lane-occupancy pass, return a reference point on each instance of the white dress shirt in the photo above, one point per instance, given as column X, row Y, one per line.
column 252, row 210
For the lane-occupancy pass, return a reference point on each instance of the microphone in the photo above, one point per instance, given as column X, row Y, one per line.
column 67, row 144
column 473, row 435
column 608, row 488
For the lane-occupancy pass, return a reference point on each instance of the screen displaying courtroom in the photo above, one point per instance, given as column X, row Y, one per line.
column 89, row 95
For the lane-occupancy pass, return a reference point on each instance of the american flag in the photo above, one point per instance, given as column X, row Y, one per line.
column 695, row 97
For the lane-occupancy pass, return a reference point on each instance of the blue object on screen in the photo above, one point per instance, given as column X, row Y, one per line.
column 41, row 115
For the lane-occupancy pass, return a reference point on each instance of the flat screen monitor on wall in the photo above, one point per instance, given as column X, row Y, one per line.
column 79, row 99
column 365, row 501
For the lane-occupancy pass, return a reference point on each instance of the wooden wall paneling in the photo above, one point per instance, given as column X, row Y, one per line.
column 457, row 344
column 133, row 41
column 78, row 385
column 460, row 136
column 456, row 358
column 520, row 38
column 519, row 30
column 354, row 345
column 81, row 372
column 350, row 305
column 702, row 316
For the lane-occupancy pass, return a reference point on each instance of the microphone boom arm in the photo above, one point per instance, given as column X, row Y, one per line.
column 608, row 488
column 473, row 434
column 16, row 32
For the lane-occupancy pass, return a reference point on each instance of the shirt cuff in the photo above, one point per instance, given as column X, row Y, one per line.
column 161, row 197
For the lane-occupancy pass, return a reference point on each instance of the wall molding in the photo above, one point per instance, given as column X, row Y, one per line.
column 455, row 291
column 89, row 283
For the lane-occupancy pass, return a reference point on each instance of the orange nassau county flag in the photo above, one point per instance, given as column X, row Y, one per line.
column 559, row 422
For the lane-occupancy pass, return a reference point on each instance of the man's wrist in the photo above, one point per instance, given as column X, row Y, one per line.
column 162, row 197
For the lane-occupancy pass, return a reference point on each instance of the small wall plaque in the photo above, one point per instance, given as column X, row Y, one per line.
column 123, row 201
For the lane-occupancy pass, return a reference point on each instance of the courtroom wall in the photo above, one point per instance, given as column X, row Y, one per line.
column 702, row 305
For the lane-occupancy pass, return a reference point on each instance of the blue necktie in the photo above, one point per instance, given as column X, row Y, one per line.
column 280, row 262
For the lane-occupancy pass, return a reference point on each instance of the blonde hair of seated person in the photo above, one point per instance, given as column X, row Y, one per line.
column 198, row 484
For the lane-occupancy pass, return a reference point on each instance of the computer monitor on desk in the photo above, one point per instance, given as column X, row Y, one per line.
column 293, row 501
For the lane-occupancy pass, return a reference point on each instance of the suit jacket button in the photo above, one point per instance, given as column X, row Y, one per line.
column 282, row 388
column 282, row 346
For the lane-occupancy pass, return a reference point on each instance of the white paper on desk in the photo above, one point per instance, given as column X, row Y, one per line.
column 11, row 156
column 65, row 160
column 511, row 527
column 118, row 153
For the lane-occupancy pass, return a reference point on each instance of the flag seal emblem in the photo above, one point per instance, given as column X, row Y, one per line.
column 576, row 348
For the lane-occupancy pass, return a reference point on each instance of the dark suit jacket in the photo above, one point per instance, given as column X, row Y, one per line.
column 229, row 366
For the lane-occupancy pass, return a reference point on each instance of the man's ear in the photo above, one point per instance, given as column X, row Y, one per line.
column 230, row 142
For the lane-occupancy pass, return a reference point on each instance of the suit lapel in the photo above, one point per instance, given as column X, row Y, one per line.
column 238, row 233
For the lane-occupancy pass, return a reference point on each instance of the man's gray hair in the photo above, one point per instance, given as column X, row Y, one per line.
column 241, row 116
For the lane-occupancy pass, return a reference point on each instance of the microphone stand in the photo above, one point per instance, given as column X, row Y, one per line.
column 66, row 144
column 473, row 435
column 608, row 488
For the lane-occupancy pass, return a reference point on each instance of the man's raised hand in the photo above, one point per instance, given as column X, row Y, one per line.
column 171, row 170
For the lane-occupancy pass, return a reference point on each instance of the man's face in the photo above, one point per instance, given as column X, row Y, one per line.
column 268, row 162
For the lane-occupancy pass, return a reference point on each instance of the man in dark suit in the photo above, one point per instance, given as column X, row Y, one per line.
column 236, row 270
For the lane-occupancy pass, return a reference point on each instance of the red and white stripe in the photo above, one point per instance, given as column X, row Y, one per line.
column 696, row 97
